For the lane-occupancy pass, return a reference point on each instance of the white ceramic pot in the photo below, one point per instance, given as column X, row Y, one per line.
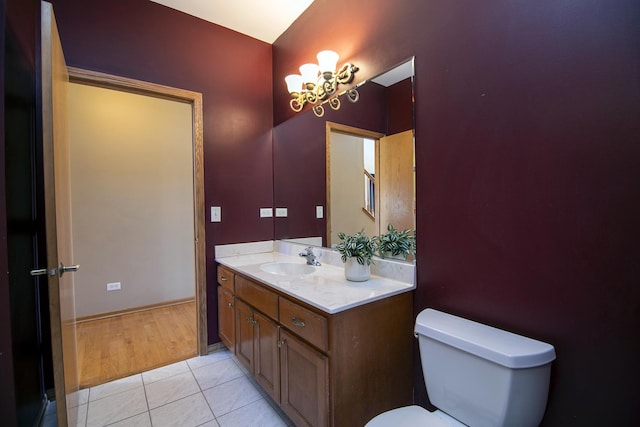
column 356, row 272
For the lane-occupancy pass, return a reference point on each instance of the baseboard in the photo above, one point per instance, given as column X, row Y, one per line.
column 132, row 310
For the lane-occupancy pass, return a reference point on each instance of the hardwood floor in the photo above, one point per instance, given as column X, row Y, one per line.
column 128, row 344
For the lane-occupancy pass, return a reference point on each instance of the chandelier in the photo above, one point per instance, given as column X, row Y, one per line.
column 317, row 84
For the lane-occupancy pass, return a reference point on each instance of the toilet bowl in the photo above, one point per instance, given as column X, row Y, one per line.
column 413, row 416
column 476, row 375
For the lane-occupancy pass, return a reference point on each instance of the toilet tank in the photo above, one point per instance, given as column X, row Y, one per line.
column 480, row 375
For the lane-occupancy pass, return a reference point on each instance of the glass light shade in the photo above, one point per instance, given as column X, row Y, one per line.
column 309, row 73
column 294, row 83
column 327, row 60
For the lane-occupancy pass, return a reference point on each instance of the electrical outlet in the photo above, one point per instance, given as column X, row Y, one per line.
column 281, row 212
column 115, row 286
column 319, row 211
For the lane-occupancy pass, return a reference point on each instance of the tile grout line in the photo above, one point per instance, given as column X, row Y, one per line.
column 244, row 375
column 146, row 398
column 86, row 413
column 203, row 396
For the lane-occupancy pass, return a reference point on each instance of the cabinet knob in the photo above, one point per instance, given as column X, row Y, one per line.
column 230, row 304
column 223, row 279
column 297, row 322
column 281, row 343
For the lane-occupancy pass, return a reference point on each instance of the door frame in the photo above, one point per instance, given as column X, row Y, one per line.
column 109, row 81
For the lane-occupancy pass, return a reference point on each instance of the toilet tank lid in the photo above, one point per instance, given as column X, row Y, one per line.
column 499, row 346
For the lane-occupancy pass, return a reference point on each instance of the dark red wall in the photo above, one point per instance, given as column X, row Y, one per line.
column 527, row 145
column 143, row 40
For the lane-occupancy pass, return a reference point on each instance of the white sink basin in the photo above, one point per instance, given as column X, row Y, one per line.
column 287, row 268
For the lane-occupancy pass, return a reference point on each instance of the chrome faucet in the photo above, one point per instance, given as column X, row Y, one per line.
column 310, row 256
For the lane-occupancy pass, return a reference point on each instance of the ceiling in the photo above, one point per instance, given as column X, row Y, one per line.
column 264, row 20
column 395, row 75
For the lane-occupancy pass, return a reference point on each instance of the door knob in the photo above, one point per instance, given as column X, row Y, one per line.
column 43, row 272
column 68, row 268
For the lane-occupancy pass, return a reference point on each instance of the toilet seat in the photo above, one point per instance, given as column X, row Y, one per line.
column 408, row 416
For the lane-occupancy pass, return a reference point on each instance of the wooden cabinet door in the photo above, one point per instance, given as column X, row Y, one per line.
column 244, row 334
column 304, row 382
column 266, row 369
column 226, row 318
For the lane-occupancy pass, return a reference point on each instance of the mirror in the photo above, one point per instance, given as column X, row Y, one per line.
column 304, row 183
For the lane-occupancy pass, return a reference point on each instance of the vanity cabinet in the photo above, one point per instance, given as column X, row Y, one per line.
column 257, row 334
column 226, row 307
column 325, row 369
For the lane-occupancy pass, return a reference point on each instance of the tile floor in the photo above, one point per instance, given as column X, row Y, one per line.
column 208, row 391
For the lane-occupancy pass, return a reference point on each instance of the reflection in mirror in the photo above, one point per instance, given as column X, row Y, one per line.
column 303, row 157
column 385, row 165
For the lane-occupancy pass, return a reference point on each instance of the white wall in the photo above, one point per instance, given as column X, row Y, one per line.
column 132, row 199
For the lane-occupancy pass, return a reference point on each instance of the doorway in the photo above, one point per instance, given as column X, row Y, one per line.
column 151, row 210
column 370, row 181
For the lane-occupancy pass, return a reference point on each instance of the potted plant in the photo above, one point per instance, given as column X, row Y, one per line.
column 396, row 244
column 356, row 252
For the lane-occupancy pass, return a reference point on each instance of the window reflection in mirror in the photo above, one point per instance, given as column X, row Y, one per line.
column 370, row 160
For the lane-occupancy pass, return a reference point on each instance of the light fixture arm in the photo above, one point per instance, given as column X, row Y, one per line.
column 351, row 94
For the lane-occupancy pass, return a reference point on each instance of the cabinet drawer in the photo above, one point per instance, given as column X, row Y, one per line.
column 305, row 323
column 259, row 297
column 226, row 278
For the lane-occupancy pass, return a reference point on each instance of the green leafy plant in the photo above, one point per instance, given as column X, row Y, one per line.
column 397, row 243
column 357, row 246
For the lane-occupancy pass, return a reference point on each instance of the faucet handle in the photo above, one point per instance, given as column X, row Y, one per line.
column 310, row 256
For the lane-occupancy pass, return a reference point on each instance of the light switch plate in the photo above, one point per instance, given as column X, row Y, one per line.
column 319, row 212
column 266, row 212
column 216, row 214
column 281, row 212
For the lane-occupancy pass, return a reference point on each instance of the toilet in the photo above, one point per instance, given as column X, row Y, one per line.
column 476, row 375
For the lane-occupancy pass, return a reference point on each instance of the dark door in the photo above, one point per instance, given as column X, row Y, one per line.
column 28, row 327
column 25, row 294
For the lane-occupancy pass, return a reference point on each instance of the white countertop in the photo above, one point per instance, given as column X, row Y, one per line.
column 326, row 288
